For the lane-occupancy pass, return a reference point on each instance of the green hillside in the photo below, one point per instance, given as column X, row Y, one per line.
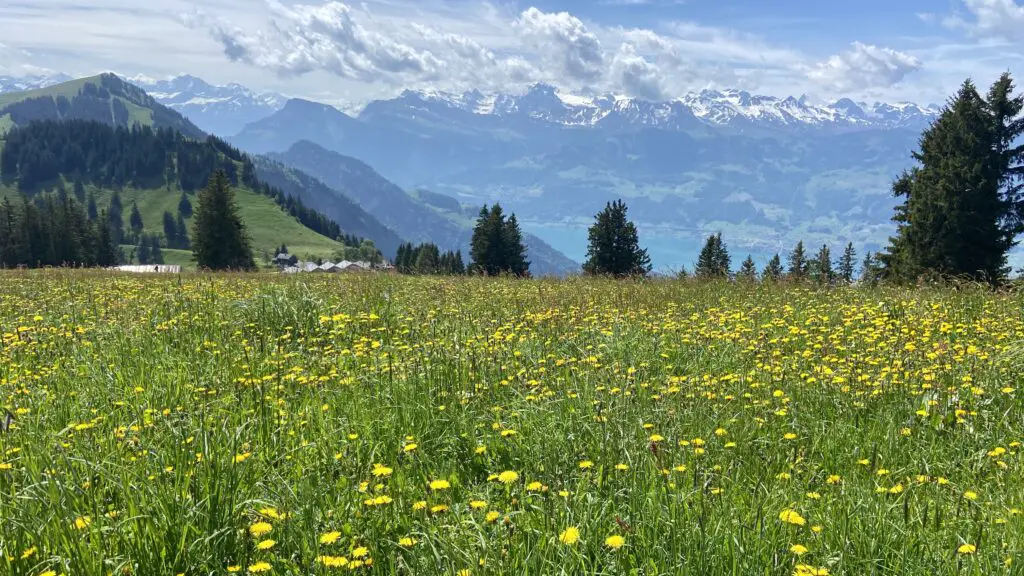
column 105, row 98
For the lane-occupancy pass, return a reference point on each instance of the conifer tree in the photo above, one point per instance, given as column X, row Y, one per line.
column 184, row 206
column 614, row 245
column 961, row 207
column 142, row 253
column 846, row 264
column 748, row 271
column 92, row 209
column 497, row 245
column 773, row 270
column 107, row 251
column 798, row 262
column 136, row 220
column 182, row 234
column 79, row 191
column 219, row 240
column 115, row 216
column 155, row 253
column 821, row 266
column 713, row 260
column 170, row 230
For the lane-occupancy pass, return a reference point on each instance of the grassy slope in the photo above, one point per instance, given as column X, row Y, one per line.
column 67, row 89
column 268, row 225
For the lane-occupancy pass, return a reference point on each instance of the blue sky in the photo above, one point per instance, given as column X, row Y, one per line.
column 350, row 52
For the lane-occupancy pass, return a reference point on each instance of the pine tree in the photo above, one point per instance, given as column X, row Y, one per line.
column 773, row 270
column 115, row 216
column 497, row 246
column 182, row 234
column 136, row 220
column 821, row 266
column 170, row 230
column 79, row 191
column 748, row 271
column 184, row 206
column 614, row 246
column 846, row 264
column 713, row 260
column 107, row 252
column 961, row 207
column 219, row 240
column 156, row 254
column 458, row 266
column 92, row 210
column 142, row 253
column 798, row 262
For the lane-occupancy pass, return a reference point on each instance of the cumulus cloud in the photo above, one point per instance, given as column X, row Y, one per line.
column 564, row 42
column 1002, row 19
column 863, row 67
column 636, row 76
column 307, row 38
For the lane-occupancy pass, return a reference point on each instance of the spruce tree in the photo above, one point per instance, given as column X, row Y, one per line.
column 614, row 245
column 846, row 264
column 182, row 234
column 219, row 240
column 515, row 251
column 79, row 191
column 961, row 207
column 107, row 251
column 156, row 254
column 92, row 209
column 748, row 271
column 821, row 266
column 115, row 216
column 184, row 206
column 136, row 220
column 798, row 262
column 773, row 270
column 142, row 252
column 497, row 245
column 170, row 230
column 713, row 260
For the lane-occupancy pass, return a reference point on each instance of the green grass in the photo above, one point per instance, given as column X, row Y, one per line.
column 67, row 89
column 175, row 425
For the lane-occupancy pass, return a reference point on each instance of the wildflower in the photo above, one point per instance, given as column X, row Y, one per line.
column 478, row 504
column 259, row 529
column 410, row 447
column 657, row 438
column 260, row 567
column 806, row 570
column 407, row 542
column 586, row 465
column 491, row 517
column 968, row 495
column 569, row 536
column 332, row 561
column 234, row 568
column 239, row 458
column 789, row 436
column 439, row 509
column 330, row 537
column 508, row 477
column 83, row 522
column 967, row 549
column 480, row 450
column 614, row 542
column 439, row 485
column 621, row 467
column 798, row 549
column 28, row 553
column 419, row 505
column 792, row 517
column 379, row 471
column 266, row 544
column 360, row 552
column 534, row 486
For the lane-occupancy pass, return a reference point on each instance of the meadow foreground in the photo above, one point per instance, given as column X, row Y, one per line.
column 324, row 425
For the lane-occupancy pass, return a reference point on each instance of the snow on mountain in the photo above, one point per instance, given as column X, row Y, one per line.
column 19, row 84
column 222, row 110
column 732, row 108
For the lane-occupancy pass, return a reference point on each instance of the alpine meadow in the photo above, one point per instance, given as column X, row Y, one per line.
column 490, row 288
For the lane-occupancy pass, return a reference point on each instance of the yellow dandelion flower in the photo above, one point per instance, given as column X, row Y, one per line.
column 266, row 544
column 260, row 567
column 793, row 517
column 569, row 536
column 586, row 464
column 967, row 549
column 330, row 537
column 478, row 504
column 508, row 477
column 798, row 549
column 439, row 485
column 614, row 541
column 260, row 528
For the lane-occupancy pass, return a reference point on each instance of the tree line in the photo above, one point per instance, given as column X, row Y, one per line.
column 43, row 154
column 54, row 230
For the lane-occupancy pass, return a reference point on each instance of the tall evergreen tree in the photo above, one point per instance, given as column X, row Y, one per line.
column 185, row 206
column 92, row 209
column 115, row 215
column 107, row 251
column 142, row 252
column 614, row 244
column 773, row 270
column 798, row 262
column 748, row 271
column 497, row 245
column 846, row 264
column 170, row 230
column 713, row 260
column 219, row 240
column 821, row 266
column 156, row 255
column 182, row 234
column 961, row 207
column 79, row 191
column 135, row 220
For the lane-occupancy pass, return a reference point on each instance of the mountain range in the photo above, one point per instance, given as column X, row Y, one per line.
column 763, row 170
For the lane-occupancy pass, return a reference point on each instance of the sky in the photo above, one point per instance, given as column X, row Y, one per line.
column 355, row 51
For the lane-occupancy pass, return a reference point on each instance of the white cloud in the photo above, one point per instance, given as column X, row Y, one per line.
column 990, row 19
column 863, row 67
column 636, row 75
column 564, row 42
